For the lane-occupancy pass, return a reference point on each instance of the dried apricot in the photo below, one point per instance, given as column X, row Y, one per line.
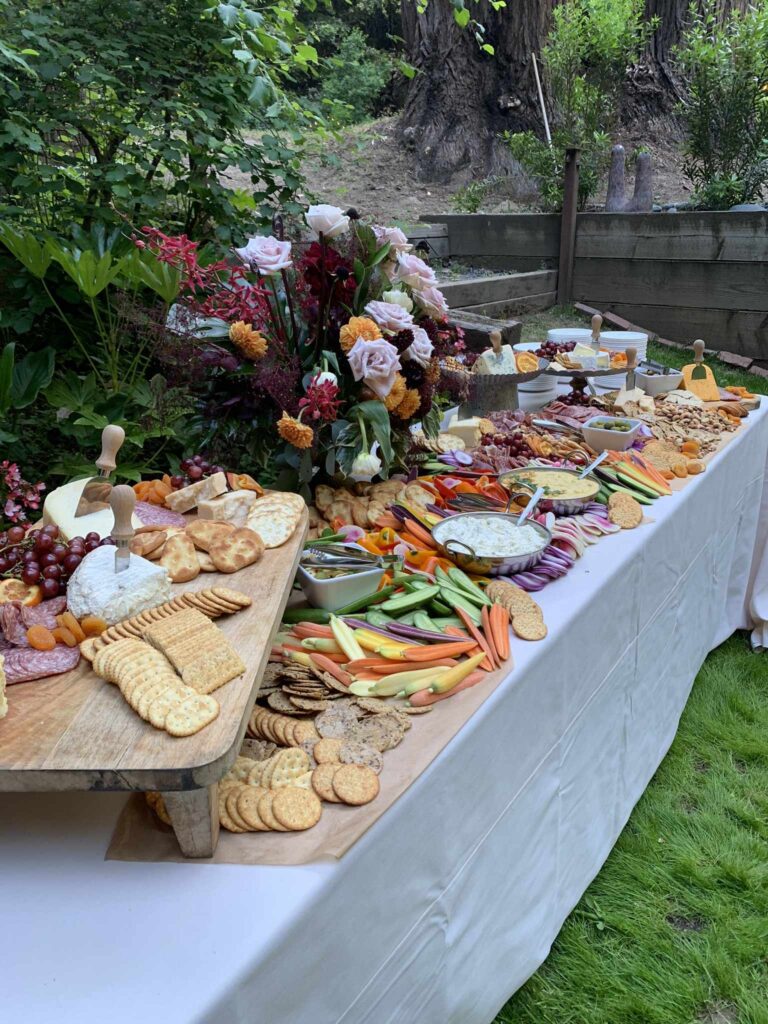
column 92, row 625
column 65, row 635
column 68, row 621
column 40, row 638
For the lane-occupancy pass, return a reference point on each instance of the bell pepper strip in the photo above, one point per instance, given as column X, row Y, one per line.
column 424, row 698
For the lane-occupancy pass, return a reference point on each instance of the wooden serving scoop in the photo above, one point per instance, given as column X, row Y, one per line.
column 123, row 501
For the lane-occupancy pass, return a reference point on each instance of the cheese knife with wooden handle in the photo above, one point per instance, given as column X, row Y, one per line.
column 123, row 501
column 96, row 491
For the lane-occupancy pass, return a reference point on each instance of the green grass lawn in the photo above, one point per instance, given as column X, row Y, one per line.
column 674, row 929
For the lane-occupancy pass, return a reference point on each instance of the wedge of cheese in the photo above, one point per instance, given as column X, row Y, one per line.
column 59, row 510
column 230, row 507
column 470, row 431
column 203, row 490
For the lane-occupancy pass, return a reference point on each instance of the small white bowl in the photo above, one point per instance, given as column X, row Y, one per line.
column 658, row 383
column 601, row 440
column 339, row 591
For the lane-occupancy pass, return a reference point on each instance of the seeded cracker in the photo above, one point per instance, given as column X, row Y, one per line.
column 265, row 813
column 529, row 627
column 355, row 784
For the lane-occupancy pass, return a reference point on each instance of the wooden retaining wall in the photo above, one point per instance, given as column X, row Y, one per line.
column 681, row 276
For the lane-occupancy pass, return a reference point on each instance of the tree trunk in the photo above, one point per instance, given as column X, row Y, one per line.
column 462, row 99
column 654, row 88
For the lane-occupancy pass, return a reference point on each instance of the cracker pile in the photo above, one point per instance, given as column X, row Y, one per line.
column 197, row 649
column 149, row 684
column 527, row 616
column 624, row 511
column 205, row 545
column 275, row 517
column 213, row 602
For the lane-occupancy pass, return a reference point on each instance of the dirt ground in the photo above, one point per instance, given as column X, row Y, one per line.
column 367, row 167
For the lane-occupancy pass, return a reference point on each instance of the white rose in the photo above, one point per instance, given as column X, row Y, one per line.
column 365, row 467
column 432, row 301
column 399, row 299
column 326, row 220
column 389, row 316
column 268, row 255
column 413, row 271
column 421, row 348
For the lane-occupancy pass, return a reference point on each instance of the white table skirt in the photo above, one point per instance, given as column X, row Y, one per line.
column 454, row 897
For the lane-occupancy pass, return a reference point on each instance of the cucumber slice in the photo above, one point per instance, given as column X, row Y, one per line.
column 407, row 602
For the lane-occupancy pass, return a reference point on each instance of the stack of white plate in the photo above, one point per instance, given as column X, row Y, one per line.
column 562, row 335
column 540, row 391
column 620, row 341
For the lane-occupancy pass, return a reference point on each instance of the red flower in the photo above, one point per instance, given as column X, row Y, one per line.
column 322, row 401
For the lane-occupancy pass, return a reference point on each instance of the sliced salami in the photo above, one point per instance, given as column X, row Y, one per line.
column 11, row 625
column 23, row 664
column 156, row 515
column 44, row 614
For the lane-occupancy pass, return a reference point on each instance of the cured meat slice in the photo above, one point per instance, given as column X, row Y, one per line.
column 43, row 614
column 23, row 664
column 156, row 515
column 11, row 625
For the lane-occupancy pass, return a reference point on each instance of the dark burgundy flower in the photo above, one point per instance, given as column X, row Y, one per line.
column 402, row 340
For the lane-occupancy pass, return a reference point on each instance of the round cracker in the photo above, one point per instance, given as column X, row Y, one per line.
column 297, row 809
column 230, row 801
column 327, row 750
column 354, row 752
column 355, row 784
column 264, row 807
column 529, row 626
column 224, row 817
column 322, row 782
column 248, row 808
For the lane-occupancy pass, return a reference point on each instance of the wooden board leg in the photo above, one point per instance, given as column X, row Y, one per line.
column 195, row 817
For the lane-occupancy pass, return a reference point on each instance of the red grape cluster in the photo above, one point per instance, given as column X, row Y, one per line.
column 549, row 349
column 193, row 469
column 40, row 557
column 577, row 395
column 515, row 444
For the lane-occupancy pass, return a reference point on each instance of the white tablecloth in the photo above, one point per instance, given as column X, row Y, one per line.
column 453, row 898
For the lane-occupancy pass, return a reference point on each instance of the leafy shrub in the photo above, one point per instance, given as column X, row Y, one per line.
column 726, row 111
column 355, row 74
column 135, row 110
column 470, row 198
column 584, row 62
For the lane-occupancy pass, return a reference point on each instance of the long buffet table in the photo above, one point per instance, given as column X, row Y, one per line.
column 453, row 898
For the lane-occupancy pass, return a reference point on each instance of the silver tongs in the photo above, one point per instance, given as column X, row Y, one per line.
column 337, row 556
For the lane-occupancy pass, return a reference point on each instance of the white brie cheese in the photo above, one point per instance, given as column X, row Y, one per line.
column 96, row 589
column 59, row 510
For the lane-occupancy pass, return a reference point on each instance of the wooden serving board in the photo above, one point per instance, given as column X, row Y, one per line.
column 75, row 731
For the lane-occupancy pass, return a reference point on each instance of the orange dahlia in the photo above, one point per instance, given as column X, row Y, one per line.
column 295, row 432
column 409, row 404
column 397, row 394
column 251, row 343
column 358, row 327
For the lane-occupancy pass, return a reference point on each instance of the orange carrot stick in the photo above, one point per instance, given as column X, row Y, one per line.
column 431, row 652
column 327, row 665
column 307, row 629
column 457, row 632
column 422, row 536
column 500, row 623
column 359, row 664
column 424, row 697
column 477, row 635
column 485, row 618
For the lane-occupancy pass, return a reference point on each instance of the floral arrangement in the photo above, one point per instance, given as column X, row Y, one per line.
column 324, row 350
column 18, row 497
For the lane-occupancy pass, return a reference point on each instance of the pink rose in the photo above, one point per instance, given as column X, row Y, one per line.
column 413, row 271
column 376, row 363
column 268, row 255
column 326, row 220
column 396, row 238
column 389, row 316
column 420, row 349
column 432, row 301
